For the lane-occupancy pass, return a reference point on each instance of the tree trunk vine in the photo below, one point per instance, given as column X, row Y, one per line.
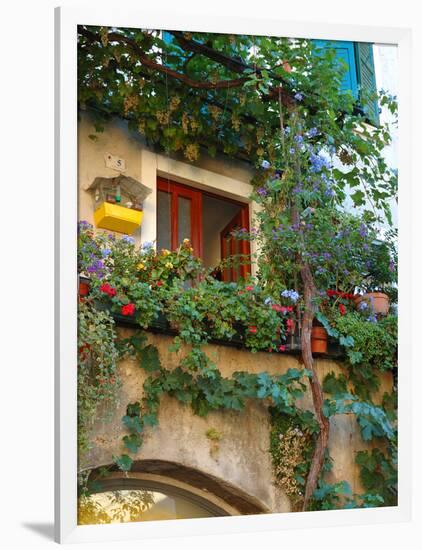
column 309, row 296
column 316, row 388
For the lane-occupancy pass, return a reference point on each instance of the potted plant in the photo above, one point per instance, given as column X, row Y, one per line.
column 84, row 287
column 380, row 282
column 319, row 339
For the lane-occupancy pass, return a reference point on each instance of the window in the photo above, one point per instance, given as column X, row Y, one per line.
column 208, row 221
column 360, row 76
column 129, row 500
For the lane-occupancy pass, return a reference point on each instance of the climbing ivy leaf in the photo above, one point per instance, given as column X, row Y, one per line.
column 124, row 462
column 132, row 442
column 150, row 360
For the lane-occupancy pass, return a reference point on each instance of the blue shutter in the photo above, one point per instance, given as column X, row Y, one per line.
column 346, row 52
column 366, row 77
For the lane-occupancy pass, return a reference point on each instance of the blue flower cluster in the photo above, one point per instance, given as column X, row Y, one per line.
column 128, row 240
column 312, row 132
column 318, row 163
column 291, row 294
column 84, row 225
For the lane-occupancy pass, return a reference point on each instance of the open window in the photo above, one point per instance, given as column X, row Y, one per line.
column 208, row 220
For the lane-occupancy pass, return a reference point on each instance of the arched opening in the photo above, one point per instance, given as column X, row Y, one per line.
column 161, row 490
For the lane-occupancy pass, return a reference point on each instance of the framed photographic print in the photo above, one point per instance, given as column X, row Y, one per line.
column 227, row 275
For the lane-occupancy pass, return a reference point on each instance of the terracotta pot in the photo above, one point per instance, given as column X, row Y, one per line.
column 83, row 288
column 377, row 301
column 319, row 338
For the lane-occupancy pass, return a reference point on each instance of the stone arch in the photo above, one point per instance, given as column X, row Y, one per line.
column 226, row 498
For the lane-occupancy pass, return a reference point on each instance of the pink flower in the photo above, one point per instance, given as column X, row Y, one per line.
column 282, row 348
column 250, row 287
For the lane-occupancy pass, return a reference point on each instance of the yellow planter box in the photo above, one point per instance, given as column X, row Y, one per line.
column 117, row 218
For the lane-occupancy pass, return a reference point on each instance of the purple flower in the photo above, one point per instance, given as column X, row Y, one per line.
column 82, row 225
column 299, row 139
column 262, row 191
column 292, row 151
column 96, row 267
column 312, row 132
column 318, row 163
column 291, row 294
column 363, row 231
column 298, row 96
column 106, row 252
column 362, row 306
column 128, row 240
column 265, row 165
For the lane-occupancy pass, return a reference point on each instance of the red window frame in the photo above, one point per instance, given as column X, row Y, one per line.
column 177, row 190
column 240, row 220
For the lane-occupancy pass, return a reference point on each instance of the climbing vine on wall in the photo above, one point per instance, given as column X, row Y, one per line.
column 277, row 104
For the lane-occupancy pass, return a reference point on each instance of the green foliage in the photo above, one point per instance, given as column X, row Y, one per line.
column 213, row 435
column 98, row 380
column 331, row 496
column 372, row 420
column 242, row 102
column 291, row 447
column 334, row 385
column 374, row 349
column 378, row 473
column 124, row 462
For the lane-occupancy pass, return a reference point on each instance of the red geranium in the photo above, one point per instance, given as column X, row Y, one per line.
column 159, row 283
column 249, row 288
column 289, row 324
column 108, row 289
column 252, row 330
column 342, row 309
column 128, row 309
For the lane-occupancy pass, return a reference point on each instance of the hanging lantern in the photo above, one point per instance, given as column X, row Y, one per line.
column 118, row 203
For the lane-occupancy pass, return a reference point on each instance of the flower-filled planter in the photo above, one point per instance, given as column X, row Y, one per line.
column 377, row 301
column 319, row 338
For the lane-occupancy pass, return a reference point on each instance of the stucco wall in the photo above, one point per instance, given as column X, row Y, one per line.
column 226, row 177
column 242, row 459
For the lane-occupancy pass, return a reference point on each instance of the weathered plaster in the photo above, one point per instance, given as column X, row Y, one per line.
column 242, row 458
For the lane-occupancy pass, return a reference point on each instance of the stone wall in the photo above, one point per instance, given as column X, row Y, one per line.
column 241, row 458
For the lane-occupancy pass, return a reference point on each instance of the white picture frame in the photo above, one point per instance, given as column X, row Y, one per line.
column 66, row 528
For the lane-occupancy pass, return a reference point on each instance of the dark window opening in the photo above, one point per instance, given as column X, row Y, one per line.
column 208, row 221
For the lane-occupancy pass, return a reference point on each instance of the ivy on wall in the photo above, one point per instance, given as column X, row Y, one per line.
column 273, row 103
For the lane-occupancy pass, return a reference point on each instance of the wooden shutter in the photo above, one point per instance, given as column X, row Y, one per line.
column 346, row 52
column 366, row 77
